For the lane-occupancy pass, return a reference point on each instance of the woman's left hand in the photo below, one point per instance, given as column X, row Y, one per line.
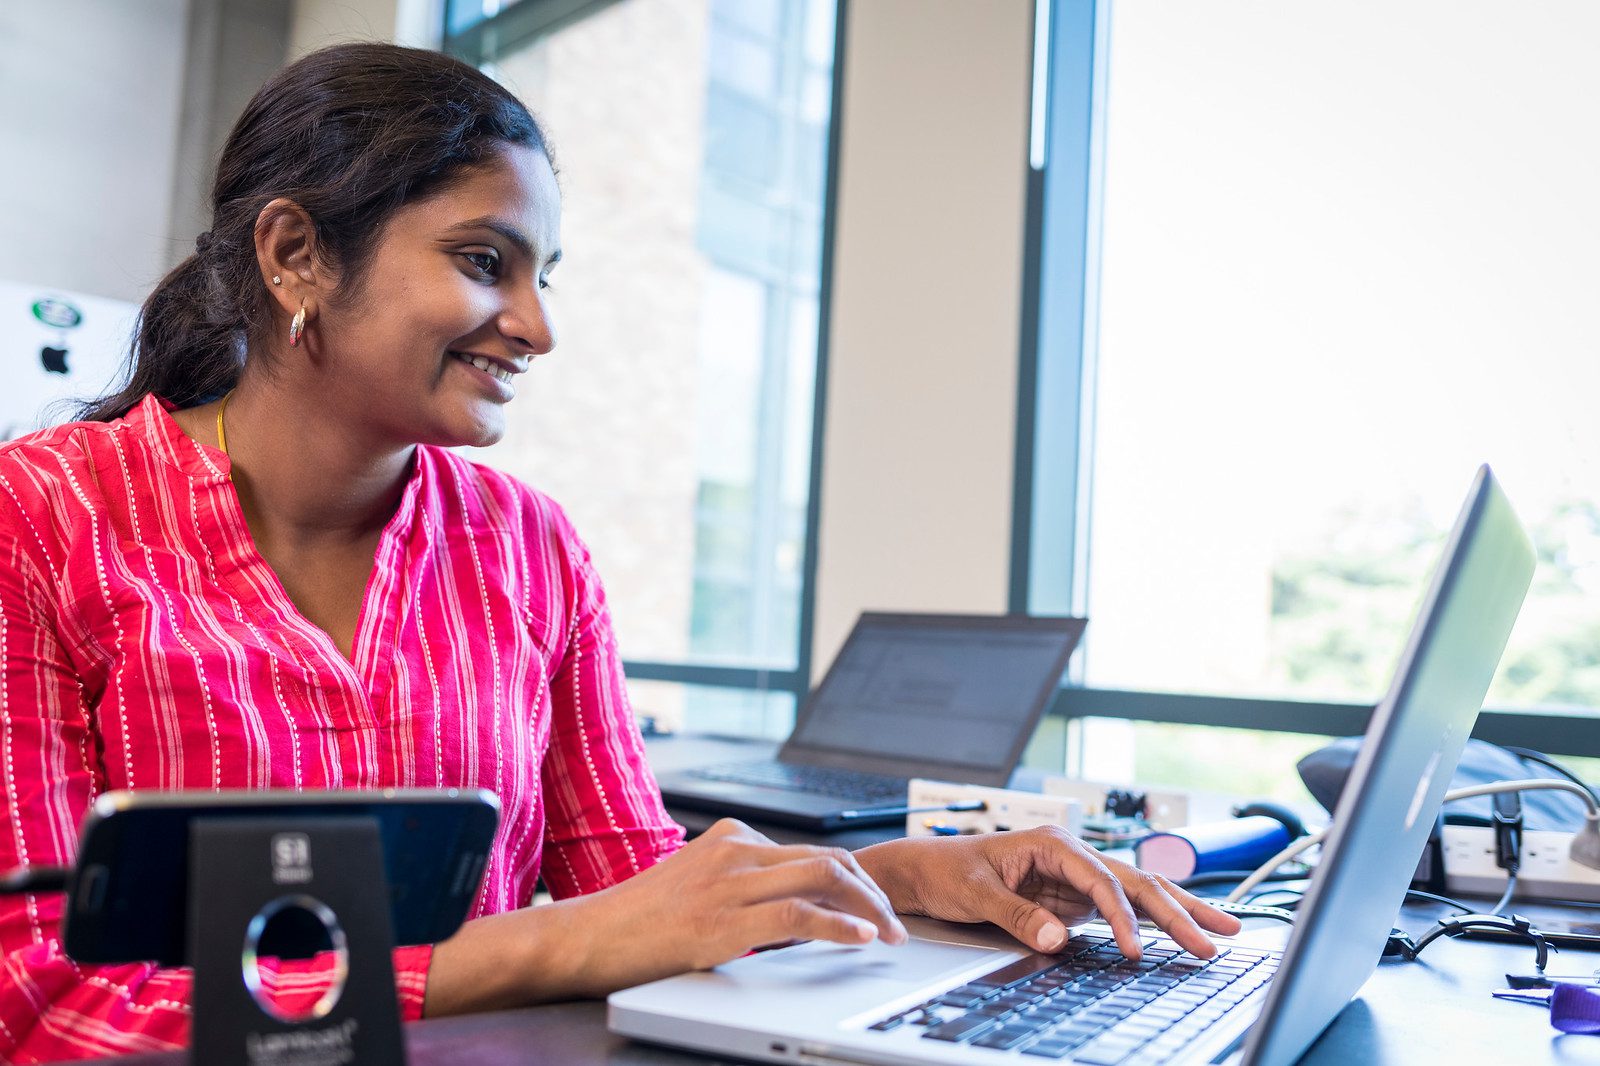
column 1035, row 883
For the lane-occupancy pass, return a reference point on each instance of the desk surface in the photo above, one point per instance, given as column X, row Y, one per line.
column 1432, row 1012
column 1437, row 1010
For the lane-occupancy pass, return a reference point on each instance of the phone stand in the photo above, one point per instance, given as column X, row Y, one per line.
column 313, row 872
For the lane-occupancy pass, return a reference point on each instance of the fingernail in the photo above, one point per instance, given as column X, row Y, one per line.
column 1052, row 936
column 865, row 928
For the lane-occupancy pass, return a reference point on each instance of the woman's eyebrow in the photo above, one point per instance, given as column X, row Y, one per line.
column 511, row 233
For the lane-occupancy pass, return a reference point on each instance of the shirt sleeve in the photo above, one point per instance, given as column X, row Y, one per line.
column 604, row 819
column 50, row 1007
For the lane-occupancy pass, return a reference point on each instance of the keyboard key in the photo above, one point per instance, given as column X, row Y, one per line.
column 1007, row 1036
column 892, row 1022
column 1016, row 999
column 844, row 784
column 960, row 1001
column 1164, row 1012
column 1137, row 1028
column 972, row 989
column 1049, row 1049
column 1105, row 1052
column 1048, row 1013
column 992, row 1009
column 1032, row 1025
column 963, row 1028
column 1019, row 972
column 1073, row 998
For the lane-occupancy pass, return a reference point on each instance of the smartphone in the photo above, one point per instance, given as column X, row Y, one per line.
column 128, row 893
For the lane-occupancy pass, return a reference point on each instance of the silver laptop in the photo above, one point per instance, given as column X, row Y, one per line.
column 963, row 994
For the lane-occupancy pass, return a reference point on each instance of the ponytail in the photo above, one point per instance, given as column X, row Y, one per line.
column 189, row 346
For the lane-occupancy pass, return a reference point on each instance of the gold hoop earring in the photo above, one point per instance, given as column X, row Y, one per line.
column 297, row 328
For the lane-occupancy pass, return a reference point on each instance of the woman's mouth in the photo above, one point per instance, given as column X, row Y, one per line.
column 494, row 370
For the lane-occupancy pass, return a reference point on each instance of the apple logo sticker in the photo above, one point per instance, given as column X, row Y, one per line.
column 54, row 359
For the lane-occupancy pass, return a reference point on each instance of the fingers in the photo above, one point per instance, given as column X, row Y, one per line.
column 756, row 870
column 1075, row 881
column 826, row 878
column 1027, row 921
column 1105, row 890
column 797, row 919
column 1204, row 914
column 1176, row 911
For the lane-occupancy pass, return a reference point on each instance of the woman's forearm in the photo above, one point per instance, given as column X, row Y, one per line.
column 528, row 956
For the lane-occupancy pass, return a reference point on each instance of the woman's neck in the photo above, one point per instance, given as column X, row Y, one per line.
column 304, row 474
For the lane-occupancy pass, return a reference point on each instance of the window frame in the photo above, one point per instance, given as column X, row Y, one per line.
column 527, row 20
column 1053, row 492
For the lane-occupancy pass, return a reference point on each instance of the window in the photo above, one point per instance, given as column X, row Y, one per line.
column 1338, row 256
column 674, row 420
column 1354, row 290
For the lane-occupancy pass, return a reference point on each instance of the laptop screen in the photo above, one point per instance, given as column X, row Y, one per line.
column 939, row 689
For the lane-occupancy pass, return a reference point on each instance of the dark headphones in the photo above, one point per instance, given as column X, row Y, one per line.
column 1290, row 820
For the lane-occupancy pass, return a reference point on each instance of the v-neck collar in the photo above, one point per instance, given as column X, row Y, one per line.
column 384, row 600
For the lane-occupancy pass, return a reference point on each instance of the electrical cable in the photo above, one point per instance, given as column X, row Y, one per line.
column 1531, row 784
column 1461, row 924
column 1505, row 900
column 1530, row 755
column 1434, row 897
column 1222, row 877
column 1255, row 898
column 1266, row 869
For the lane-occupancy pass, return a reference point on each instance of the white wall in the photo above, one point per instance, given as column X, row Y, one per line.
column 315, row 23
column 90, row 93
column 922, row 371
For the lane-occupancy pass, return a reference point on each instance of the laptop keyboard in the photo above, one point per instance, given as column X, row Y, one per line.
column 854, row 785
column 1091, row 1005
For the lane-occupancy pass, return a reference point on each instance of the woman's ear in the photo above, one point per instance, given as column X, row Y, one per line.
column 286, row 252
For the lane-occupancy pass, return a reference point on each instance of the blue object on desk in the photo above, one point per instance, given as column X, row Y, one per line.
column 1575, row 1008
column 1235, row 844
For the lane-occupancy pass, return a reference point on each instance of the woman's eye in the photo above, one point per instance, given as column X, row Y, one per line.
column 485, row 263
column 544, row 282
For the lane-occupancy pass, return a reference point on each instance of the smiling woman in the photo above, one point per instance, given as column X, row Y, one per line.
column 259, row 566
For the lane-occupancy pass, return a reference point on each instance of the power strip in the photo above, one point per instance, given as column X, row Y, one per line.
column 1547, row 872
column 1004, row 809
column 1163, row 810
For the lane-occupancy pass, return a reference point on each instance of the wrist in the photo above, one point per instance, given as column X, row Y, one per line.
column 503, row 961
column 892, row 865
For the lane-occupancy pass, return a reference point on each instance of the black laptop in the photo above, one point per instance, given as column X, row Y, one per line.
column 947, row 697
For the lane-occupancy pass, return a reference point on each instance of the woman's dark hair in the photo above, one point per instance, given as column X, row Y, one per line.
column 350, row 133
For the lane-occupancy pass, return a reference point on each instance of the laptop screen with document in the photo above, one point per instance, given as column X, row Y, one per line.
column 938, row 690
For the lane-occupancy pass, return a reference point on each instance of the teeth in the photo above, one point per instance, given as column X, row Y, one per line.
column 483, row 364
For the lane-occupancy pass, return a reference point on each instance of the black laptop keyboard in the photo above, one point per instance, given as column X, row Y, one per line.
column 853, row 785
column 1089, row 1004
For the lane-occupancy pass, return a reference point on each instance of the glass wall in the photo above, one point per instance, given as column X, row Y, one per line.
column 674, row 419
column 1346, row 254
column 1354, row 289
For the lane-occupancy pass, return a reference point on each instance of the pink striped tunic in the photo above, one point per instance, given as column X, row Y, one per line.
column 147, row 644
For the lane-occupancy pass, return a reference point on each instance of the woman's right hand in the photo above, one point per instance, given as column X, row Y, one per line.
column 726, row 892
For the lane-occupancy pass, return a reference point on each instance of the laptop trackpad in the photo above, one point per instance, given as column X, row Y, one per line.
column 911, row 965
